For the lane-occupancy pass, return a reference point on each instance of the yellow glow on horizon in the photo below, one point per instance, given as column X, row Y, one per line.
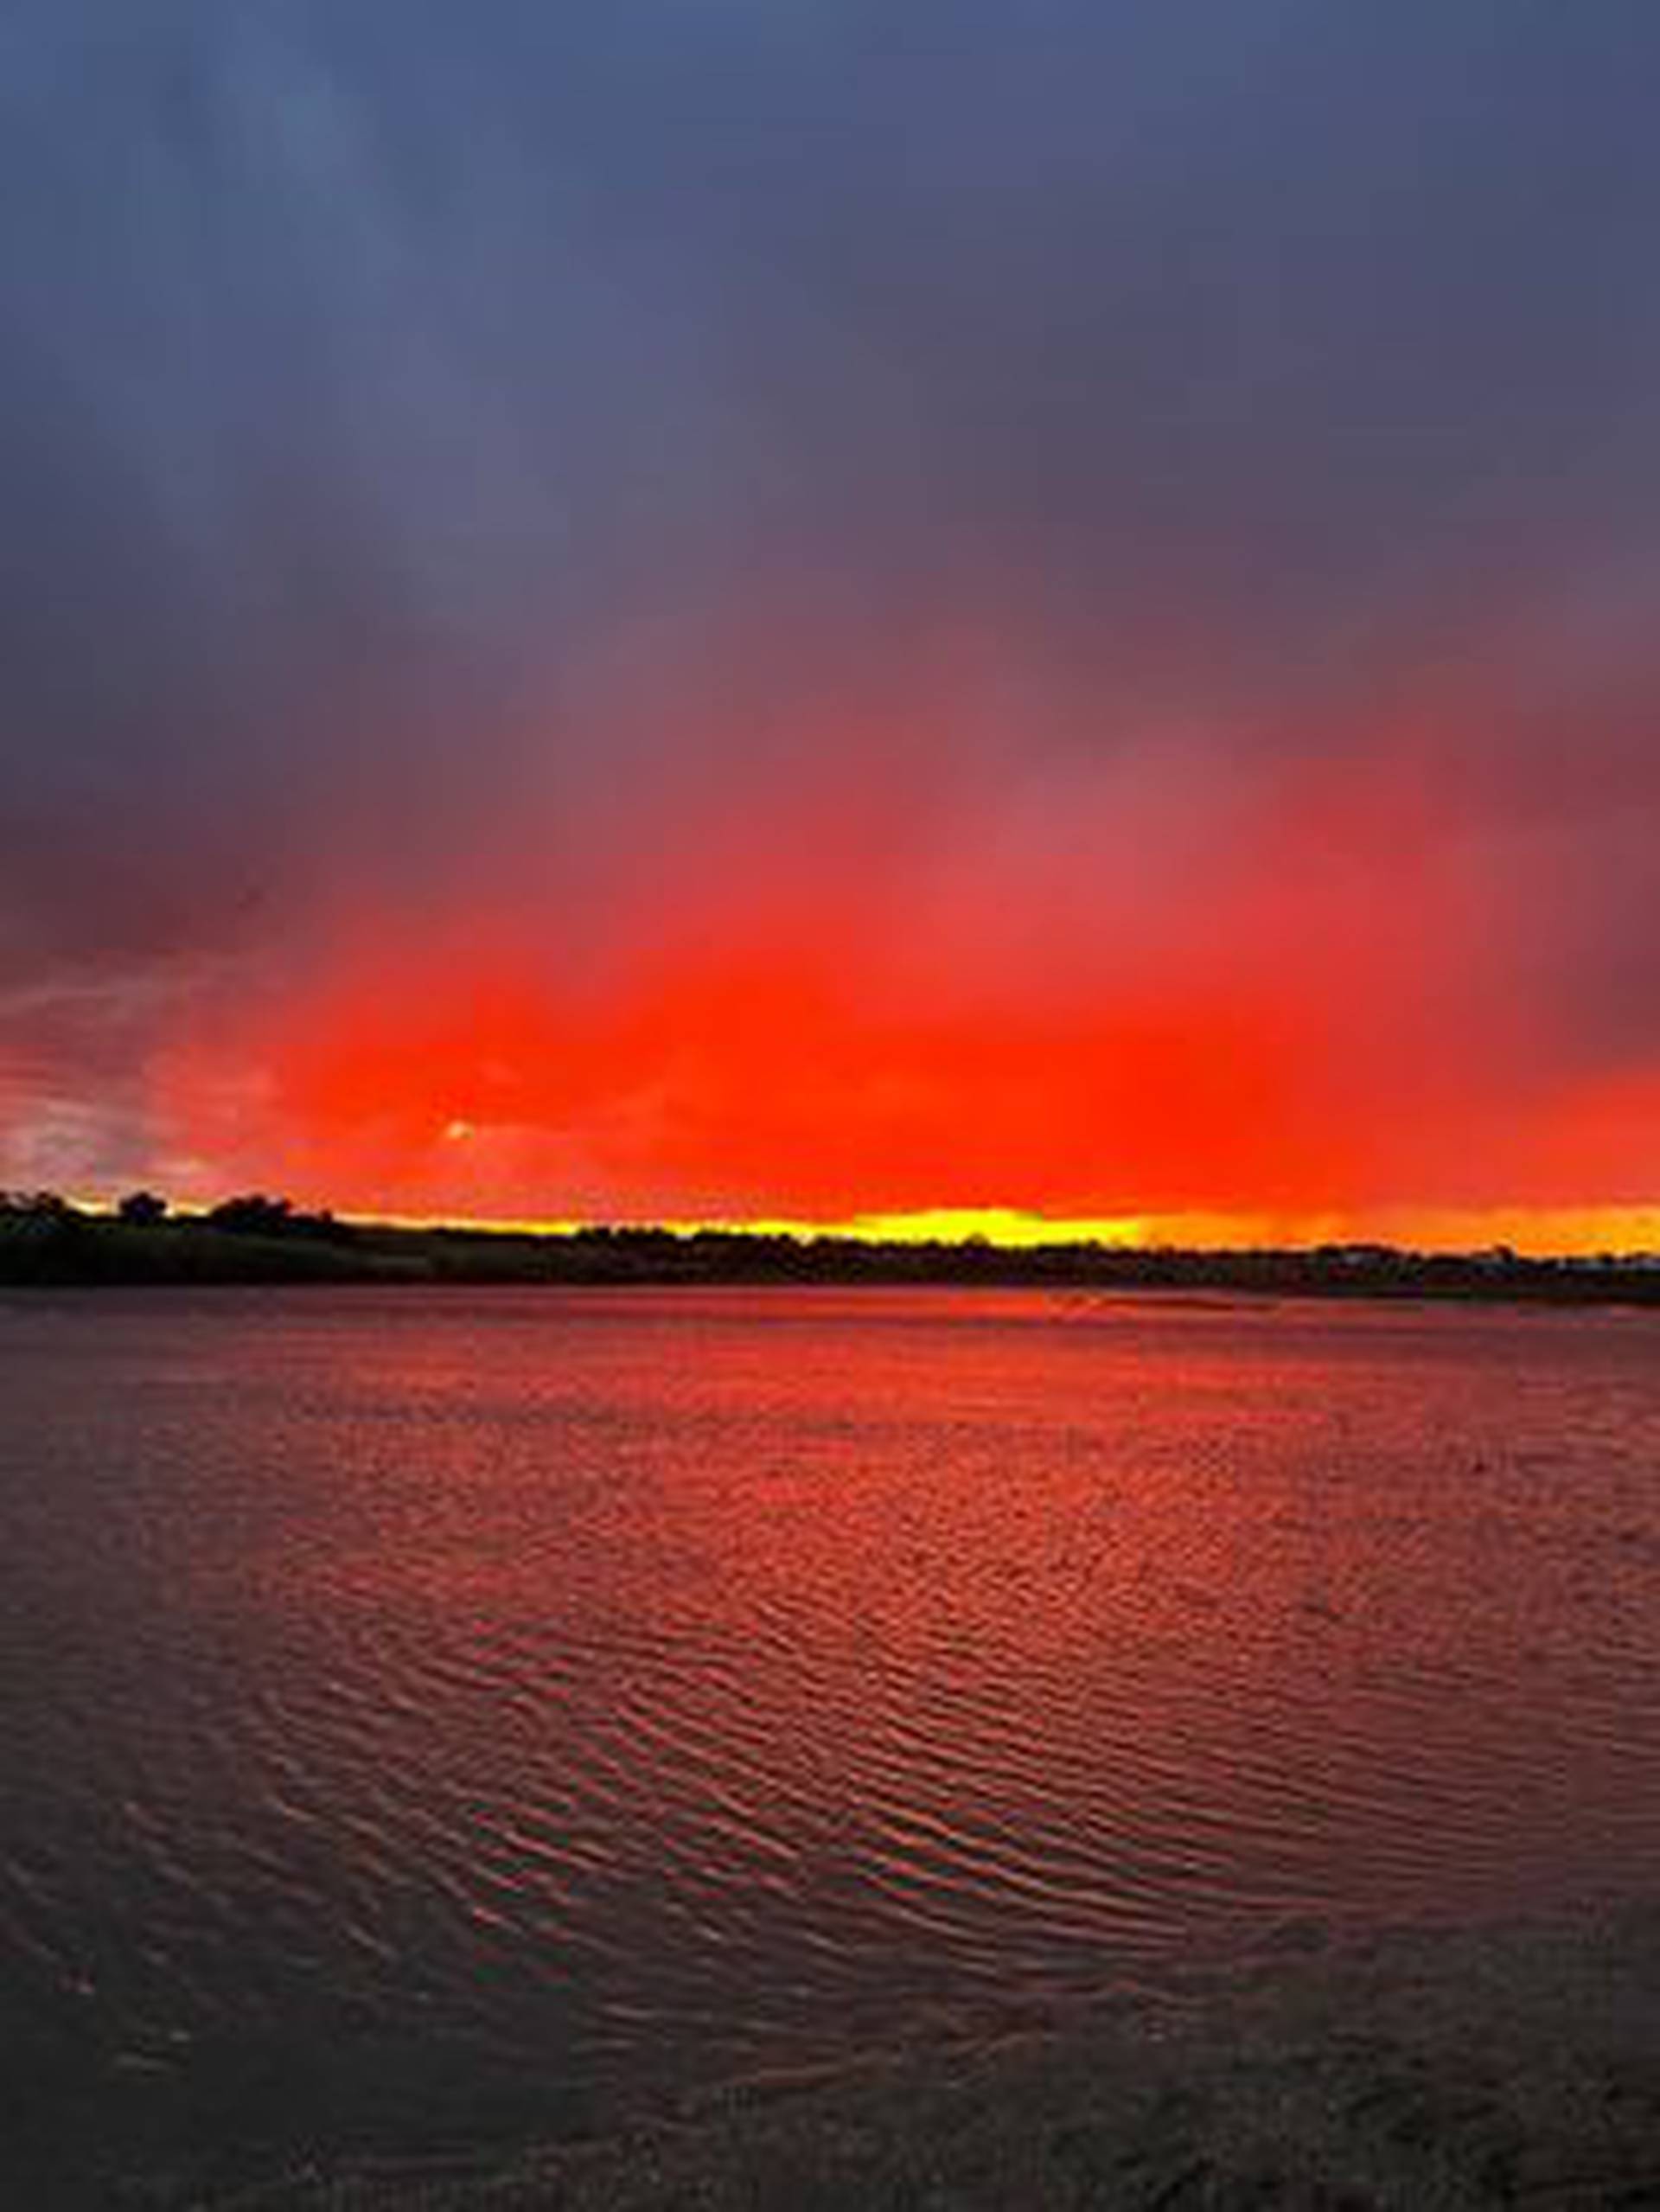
column 1538, row 1231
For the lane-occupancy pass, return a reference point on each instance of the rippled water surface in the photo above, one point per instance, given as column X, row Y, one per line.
column 436, row 1717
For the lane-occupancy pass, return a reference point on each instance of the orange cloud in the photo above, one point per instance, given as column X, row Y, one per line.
column 788, row 1044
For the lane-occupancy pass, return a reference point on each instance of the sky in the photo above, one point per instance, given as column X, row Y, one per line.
column 789, row 609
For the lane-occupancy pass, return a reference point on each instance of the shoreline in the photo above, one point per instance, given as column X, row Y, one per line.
column 46, row 1242
column 1419, row 2071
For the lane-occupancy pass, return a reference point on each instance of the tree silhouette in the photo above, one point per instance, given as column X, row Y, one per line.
column 253, row 1215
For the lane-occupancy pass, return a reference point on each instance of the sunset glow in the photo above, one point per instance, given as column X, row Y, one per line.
column 963, row 660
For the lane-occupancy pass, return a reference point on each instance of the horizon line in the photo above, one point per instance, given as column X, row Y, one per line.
column 1624, row 1232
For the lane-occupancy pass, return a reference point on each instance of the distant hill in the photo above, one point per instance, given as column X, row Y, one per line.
column 46, row 1241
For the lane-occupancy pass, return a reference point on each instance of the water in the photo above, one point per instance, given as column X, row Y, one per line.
column 430, row 1717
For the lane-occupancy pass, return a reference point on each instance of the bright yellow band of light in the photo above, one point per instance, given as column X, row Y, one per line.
column 1541, row 1232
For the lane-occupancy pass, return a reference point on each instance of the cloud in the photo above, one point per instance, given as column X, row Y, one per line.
column 1112, row 502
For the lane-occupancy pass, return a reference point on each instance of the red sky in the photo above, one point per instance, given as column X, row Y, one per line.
column 717, row 613
column 1202, row 1002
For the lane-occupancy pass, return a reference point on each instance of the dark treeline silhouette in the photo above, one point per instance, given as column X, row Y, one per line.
column 45, row 1239
column 258, row 1216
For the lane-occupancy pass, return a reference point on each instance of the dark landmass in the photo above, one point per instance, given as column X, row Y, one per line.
column 1421, row 2073
column 45, row 1240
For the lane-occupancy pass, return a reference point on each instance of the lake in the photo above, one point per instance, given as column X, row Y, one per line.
column 432, row 1717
